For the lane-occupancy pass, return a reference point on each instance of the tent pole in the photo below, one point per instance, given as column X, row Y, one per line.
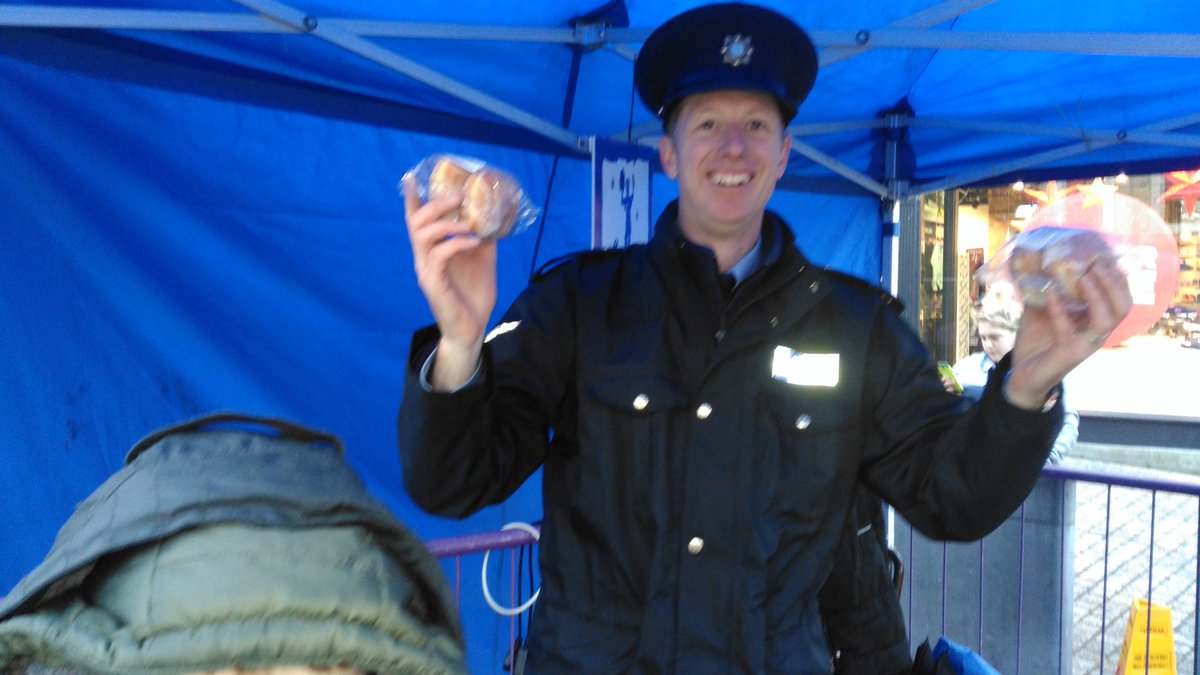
column 389, row 59
column 1177, row 45
column 1090, row 145
column 927, row 18
column 805, row 150
column 36, row 16
column 1017, row 129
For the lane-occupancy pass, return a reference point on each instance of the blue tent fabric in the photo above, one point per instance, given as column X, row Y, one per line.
column 208, row 220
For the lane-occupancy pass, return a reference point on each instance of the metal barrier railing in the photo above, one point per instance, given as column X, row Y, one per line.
column 517, row 540
column 1049, row 592
column 1148, row 549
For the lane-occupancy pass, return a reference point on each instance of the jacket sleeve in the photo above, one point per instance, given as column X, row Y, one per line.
column 465, row 450
column 954, row 474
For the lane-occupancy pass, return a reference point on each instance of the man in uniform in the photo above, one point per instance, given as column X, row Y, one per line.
column 703, row 406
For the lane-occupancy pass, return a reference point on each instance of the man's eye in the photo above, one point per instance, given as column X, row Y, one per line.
column 706, row 124
column 756, row 125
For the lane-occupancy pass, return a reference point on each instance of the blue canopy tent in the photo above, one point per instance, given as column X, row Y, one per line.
column 200, row 208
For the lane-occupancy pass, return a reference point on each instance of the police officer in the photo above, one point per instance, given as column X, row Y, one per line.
column 701, row 446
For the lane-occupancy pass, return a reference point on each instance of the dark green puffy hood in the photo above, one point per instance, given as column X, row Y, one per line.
column 215, row 548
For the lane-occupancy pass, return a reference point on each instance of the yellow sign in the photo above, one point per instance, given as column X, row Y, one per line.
column 1161, row 642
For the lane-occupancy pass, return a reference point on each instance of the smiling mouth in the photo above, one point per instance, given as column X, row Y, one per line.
column 729, row 179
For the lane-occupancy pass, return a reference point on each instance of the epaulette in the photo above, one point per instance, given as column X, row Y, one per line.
column 867, row 287
column 584, row 256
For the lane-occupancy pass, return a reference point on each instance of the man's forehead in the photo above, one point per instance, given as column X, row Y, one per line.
column 728, row 100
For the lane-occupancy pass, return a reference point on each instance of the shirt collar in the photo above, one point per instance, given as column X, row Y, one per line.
column 749, row 263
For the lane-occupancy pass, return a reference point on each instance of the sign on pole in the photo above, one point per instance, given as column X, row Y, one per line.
column 620, row 193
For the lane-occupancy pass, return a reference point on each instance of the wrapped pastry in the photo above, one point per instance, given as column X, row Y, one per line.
column 447, row 177
column 1047, row 260
column 493, row 203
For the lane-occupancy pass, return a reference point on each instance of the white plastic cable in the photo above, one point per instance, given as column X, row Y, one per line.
column 483, row 580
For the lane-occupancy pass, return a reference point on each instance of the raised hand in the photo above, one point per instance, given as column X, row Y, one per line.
column 1051, row 341
column 457, row 273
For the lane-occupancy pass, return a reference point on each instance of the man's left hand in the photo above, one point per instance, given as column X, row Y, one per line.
column 1052, row 341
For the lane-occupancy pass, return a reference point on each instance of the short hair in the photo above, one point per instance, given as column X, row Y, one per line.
column 999, row 308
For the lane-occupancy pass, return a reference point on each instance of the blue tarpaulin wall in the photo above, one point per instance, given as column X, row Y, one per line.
column 167, row 254
column 192, row 222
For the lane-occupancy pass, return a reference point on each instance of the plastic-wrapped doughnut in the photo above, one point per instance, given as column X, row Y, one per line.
column 491, row 202
column 1054, row 259
column 447, row 177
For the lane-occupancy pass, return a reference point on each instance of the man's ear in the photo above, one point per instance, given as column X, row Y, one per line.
column 666, row 155
column 787, row 153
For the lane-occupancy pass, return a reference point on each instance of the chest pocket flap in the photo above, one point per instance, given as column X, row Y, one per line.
column 811, row 410
column 636, row 393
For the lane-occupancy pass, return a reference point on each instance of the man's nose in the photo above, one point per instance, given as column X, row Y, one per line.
column 733, row 141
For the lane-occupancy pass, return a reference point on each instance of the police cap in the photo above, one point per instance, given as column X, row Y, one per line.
column 726, row 46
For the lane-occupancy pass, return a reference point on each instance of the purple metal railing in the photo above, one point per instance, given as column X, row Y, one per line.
column 510, row 540
column 1179, row 486
column 1050, row 589
column 1118, row 569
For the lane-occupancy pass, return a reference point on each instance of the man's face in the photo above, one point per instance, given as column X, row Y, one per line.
column 727, row 150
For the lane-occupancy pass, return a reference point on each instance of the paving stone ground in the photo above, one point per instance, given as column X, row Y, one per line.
column 1131, row 543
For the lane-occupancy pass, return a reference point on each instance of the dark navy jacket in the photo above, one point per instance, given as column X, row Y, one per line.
column 703, row 453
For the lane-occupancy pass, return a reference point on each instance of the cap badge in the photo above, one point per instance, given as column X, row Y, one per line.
column 737, row 50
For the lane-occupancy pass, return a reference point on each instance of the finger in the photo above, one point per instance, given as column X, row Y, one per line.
column 436, row 277
column 1062, row 324
column 1097, row 324
column 426, row 238
column 1107, row 291
column 1116, row 285
column 1100, row 319
column 412, row 198
column 428, row 231
column 433, row 210
column 445, row 251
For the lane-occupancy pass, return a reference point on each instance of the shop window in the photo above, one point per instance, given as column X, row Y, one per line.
column 1152, row 363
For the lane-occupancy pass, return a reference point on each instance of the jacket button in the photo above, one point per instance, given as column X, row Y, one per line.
column 704, row 411
column 814, row 287
column 695, row 545
column 719, row 335
column 774, row 322
column 803, row 421
column 640, row 402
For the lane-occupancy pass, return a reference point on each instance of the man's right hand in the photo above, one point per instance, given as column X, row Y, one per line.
column 457, row 273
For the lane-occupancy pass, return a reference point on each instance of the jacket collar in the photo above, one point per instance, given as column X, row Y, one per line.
column 699, row 262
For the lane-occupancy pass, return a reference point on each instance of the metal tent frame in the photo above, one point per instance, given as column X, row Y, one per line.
column 910, row 33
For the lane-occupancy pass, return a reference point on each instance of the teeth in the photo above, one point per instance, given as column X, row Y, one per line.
column 730, row 179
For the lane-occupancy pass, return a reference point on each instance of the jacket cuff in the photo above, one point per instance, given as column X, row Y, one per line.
column 1049, row 416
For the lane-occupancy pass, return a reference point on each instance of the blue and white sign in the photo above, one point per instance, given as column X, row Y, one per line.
column 620, row 193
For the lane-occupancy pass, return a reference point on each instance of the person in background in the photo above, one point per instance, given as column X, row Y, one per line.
column 997, row 317
column 703, row 406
